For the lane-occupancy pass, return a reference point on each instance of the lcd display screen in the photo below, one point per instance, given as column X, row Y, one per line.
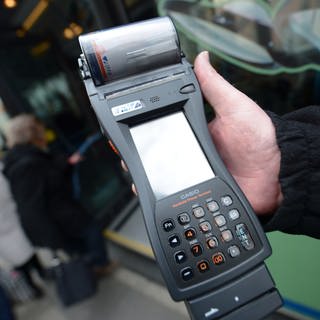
column 171, row 155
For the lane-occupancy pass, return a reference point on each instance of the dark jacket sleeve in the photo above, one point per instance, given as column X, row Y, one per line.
column 298, row 137
column 28, row 184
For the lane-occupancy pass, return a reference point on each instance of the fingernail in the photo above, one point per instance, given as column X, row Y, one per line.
column 206, row 55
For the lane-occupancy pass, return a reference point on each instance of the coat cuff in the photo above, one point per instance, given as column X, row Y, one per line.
column 294, row 167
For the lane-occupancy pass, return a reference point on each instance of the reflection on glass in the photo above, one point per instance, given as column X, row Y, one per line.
column 267, row 37
column 223, row 39
column 270, row 50
column 170, row 154
column 307, row 24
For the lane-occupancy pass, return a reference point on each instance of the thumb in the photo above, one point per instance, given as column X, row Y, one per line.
column 218, row 92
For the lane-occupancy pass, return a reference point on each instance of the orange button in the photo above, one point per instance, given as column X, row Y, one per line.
column 218, row 258
column 190, row 234
column 196, row 250
column 203, row 266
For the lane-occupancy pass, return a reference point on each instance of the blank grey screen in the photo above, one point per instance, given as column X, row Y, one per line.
column 171, row 155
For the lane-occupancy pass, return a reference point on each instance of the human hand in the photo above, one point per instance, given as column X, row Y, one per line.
column 75, row 158
column 244, row 137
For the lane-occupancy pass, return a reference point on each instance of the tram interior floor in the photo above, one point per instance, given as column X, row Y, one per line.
column 123, row 295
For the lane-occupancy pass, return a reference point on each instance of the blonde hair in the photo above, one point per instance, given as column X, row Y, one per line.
column 24, row 128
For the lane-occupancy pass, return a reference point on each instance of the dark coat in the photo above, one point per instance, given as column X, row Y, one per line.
column 41, row 186
column 298, row 137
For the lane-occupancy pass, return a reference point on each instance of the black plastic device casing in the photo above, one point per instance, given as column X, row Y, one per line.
column 176, row 89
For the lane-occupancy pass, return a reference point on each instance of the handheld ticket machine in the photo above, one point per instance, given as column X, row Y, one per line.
column 206, row 239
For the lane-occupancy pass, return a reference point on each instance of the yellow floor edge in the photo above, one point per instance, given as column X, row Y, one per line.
column 129, row 244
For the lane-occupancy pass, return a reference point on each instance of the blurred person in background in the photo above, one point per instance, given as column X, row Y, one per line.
column 16, row 251
column 5, row 307
column 41, row 185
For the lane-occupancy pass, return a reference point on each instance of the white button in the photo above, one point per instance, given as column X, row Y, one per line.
column 211, row 312
column 213, row 206
column 234, row 251
column 226, row 235
column 205, row 226
column 234, row 214
column 198, row 212
column 212, row 243
column 220, row 220
column 226, row 201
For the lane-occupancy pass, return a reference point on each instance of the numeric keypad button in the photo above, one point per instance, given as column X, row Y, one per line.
column 190, row 234
column 212, row 243
column 226, row 235
column 196, row 250
column 205, row 226
column 212, row 206
column 220, row 220
column 183, row 218
column 198, row 212
column 218, row 258
column 233, row 214
column 203, row 266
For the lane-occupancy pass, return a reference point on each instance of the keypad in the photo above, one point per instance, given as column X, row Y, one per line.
column 206, row 237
